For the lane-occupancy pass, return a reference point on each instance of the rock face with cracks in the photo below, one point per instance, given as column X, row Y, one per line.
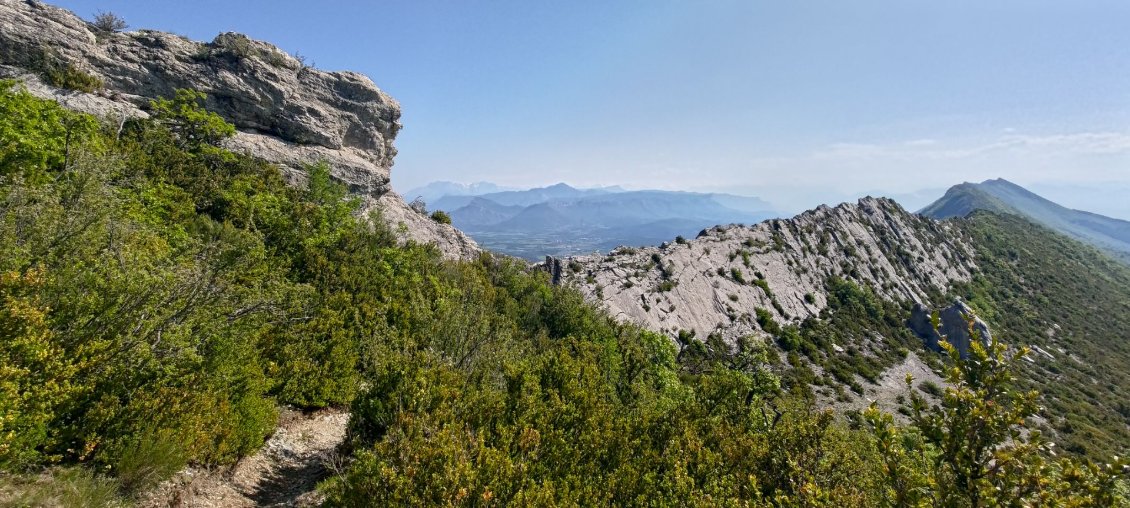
column 715, row 283
column 285, row 111
column 956, row 324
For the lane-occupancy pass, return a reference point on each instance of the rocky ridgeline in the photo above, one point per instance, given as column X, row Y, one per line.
column 715, row 282
column 286, row 112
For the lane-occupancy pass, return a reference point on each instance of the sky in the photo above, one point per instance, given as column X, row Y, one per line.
column 797, row 102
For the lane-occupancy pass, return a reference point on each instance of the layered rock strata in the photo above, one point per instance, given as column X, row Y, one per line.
column 715, row 283
column 285, row 111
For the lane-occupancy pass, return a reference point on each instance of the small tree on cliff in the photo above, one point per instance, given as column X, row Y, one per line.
column 108, row 22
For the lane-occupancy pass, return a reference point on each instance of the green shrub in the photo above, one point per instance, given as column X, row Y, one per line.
column 789, row 338
column 61, row 74
column 64, row 75
column 931, row 388
column 766, row 322
column 35, row 377
column 441, row 217
column 761, row 283
column 318, row 359
column 150, row 459
column 184, row 115
column 974, row 440
column 38, row 136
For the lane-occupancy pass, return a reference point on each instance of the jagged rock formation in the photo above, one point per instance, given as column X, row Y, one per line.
column 553, row 266
column 286, row 112
column 956, row 324
column 715, row 282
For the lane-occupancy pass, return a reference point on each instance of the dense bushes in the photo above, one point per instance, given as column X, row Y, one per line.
column 552, row 429
column 973, row 449
column 130, row 318
column 159, row 296
column 441, row 217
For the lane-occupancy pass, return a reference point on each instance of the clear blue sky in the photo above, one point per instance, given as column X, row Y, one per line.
column 795, row 101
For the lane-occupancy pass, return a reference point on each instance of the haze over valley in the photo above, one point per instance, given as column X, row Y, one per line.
column 560, row 220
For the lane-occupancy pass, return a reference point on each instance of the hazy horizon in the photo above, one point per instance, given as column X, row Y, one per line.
column 1104, row 200
column 795, row 104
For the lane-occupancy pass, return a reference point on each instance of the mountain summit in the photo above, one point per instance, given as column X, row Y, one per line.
column 1003, row 196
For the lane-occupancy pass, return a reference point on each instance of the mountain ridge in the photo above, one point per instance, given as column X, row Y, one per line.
column 166, row 300
column 783, row 281
column 562, row 220
column 1002, row 196
column 777, row 265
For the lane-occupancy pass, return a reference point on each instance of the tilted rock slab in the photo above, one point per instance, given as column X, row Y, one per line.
column 286, row 112
column 691, row 285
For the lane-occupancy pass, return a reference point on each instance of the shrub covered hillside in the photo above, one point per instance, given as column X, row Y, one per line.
column 160, row 296
column 1071, row 305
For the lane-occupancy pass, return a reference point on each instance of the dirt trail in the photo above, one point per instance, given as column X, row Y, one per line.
column 283, row 473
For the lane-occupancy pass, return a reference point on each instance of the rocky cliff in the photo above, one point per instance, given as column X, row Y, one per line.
column 286, row 112
column 714, row 283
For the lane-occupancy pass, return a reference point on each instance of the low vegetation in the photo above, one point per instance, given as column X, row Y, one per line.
column 1073, row 303
column 441, row 217
column 58, row 73
column 160, row 296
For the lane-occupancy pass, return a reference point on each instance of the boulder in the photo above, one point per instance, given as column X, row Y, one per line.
column 956, row 324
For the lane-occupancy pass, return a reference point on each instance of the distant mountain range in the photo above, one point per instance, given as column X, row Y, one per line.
column 1002, row 196
column 437, row 190
column 564, row 220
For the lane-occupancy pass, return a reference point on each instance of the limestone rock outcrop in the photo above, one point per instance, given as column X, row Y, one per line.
column 714, row 283
column 286, row 112
column 956, row 324
column 553, row 266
